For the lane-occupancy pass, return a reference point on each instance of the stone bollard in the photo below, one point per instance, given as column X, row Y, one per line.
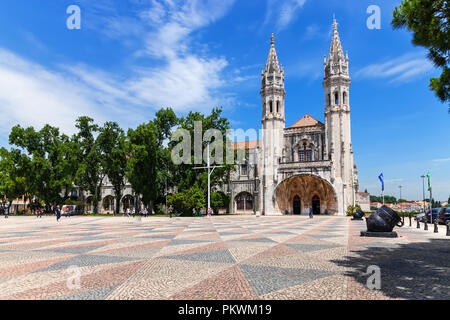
column 436, row 228
column 418, row 224
column 448, row 229
column 426, row 225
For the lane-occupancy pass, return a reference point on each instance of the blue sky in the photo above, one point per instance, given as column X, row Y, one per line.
column 132, row 57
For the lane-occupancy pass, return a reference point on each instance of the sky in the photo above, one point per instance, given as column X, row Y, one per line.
column 133, row 57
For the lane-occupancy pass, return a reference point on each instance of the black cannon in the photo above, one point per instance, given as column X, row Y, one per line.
column 358, row 215
column 382, row 222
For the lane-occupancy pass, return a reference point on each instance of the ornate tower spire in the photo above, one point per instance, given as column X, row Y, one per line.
column 339, row 148
column 273, row 124
column 272, row 88
column 337, row 62
column 272, row 64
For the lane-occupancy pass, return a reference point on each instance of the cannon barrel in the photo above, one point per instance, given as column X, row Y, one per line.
column 383, row 220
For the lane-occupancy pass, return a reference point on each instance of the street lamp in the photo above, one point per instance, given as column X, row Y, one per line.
column 423, row 186
column 401, row 207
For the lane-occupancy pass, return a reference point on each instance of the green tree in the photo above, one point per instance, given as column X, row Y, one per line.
column 188, row 199
column 185, row 175
column 429, row 22
column 90, row 172
column 219, row 200
column 113, row 142
column 14, row 173
column 149, row 165
column 53, row 163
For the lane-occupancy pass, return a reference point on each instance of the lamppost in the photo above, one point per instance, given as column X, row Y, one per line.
column 210, row 172
column 401, row 207
column 423, row 186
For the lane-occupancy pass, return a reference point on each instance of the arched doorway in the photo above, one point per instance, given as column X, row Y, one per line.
column 316, row 205
column 297, row 205
column 244, row 202
column 312, row 191
column 127, row 203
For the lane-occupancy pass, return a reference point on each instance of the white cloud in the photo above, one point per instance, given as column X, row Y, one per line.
column 34, row 96
column 399, row 70
column 281, row 13
column 182, row 78
column 442, row 160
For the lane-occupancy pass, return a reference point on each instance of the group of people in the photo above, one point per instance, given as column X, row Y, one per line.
column 142, row 212
column 201, row 213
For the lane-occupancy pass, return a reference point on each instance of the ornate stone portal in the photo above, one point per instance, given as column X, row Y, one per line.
column 312, row 192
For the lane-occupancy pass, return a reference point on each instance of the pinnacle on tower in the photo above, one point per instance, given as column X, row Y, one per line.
column 336, row 52
column 272, row 61
column 337, row 62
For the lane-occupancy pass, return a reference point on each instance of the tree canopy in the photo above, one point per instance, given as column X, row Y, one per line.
column 429, row 20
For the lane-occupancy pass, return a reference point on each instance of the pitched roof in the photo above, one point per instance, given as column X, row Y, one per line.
column 247, row 144
column 306, row 121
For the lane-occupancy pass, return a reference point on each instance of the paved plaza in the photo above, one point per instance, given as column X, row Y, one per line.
column 227, row 257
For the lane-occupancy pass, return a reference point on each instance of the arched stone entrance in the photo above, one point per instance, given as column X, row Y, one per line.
column 306, row 191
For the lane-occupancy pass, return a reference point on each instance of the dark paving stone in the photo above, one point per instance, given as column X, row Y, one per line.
column 86, row 260
column 222, row 256
column 176, row 242
column 266, row 279
column 255, row 240
column 75, row 250
column 323, row 236
column 94, row 294
column 306, row 247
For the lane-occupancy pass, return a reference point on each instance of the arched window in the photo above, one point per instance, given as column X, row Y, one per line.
column 244, row 202
column 271, row 106
column 336, row 98
column 344, row 98
column 329, row 99
column 305, row 153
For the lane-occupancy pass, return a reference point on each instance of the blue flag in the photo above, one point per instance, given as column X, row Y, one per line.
column 382, row 182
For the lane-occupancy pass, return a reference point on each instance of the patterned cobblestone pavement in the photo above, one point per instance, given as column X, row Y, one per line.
column 239, row 258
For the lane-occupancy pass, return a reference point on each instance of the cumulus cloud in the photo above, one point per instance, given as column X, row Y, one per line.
column 179, row 76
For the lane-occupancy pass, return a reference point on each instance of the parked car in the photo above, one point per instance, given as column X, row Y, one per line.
column 444, row 215
column 435, row 212
column 420, row 217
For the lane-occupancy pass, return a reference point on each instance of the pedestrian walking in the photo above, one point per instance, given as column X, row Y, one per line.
column 6, row 213
column 311, row 214
column 194, row 212
column 39, row 213
column 209, row 212
column 134, row 212
column 146, row 212
column 128, row 212
column 58, row 213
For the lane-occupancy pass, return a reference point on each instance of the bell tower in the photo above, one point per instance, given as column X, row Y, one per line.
column 273, row 124
column 339, row 147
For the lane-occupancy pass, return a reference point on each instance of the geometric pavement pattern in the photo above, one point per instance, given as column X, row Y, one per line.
column 222, row 257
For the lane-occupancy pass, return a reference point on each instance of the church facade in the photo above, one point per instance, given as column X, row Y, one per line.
column 307, row 165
